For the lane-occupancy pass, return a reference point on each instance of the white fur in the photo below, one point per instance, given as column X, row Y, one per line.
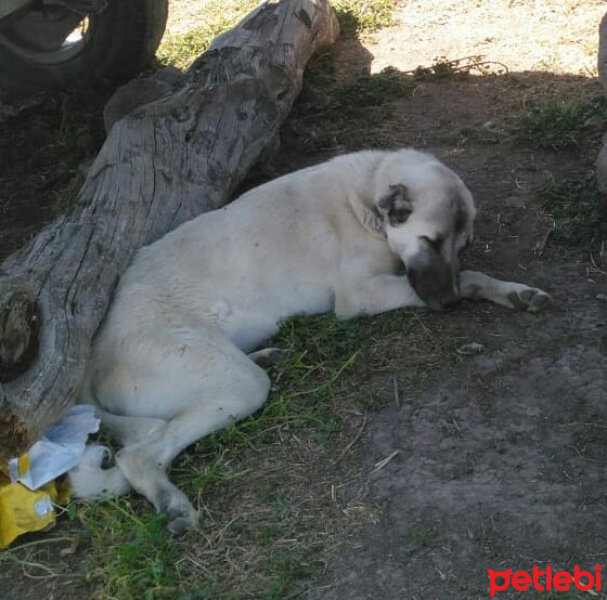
column 89, row 480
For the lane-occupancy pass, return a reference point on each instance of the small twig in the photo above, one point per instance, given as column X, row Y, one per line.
column 599, row 269
column 541, row 246
column 28, row 564
column 354, row 440
column 420, row 322
column 44, row 541
column 480, row 64
column 396, row 391
column 382, row 463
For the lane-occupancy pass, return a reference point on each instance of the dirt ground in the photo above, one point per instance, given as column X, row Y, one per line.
column 489, row 461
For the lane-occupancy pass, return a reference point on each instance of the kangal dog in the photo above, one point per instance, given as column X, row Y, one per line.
column 175, row 358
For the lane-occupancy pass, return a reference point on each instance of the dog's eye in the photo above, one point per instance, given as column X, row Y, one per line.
column 434, row 243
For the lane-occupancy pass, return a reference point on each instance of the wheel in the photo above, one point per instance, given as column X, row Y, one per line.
column 50, row 46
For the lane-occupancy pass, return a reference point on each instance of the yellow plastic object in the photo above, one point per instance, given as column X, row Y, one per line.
column 23, row 510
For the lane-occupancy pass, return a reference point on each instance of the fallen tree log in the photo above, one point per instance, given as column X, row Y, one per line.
column 165, row 163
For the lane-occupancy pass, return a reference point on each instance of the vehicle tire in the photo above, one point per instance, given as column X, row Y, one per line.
column 117, row 44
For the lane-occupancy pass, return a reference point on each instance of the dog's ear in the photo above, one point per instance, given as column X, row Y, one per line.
column 395, row 205
column 369, row 217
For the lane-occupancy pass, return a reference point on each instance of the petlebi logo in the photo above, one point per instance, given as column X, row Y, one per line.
column 545, row 579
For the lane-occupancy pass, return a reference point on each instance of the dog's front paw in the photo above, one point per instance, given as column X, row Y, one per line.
column 528, row 298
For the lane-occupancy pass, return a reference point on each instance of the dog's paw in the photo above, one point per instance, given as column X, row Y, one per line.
column 182, row 515
column 528, row 298
column 179, row 510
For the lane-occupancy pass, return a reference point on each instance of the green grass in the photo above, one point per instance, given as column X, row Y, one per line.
column 182, row 49
column 356, row 17
column 132, row 557
column 360, row 17
column 131, row 554
column 553, row 126
column 579, row 210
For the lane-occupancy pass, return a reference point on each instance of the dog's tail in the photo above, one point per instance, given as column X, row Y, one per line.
column 89, row 480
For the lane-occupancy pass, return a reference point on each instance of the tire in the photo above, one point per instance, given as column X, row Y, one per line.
column 118, row 44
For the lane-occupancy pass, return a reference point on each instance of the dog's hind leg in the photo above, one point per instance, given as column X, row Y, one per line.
column 89, row 479
column 145, row 463
column 234, row 389
column 162, row 389
column 478, row 286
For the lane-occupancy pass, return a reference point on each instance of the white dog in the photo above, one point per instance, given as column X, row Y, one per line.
column 363, row 233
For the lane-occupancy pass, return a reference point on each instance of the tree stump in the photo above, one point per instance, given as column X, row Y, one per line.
column 165, row 163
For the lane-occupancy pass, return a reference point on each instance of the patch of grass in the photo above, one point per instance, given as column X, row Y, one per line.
column 359, row 17
column 131, row 555
column 182, row 49
column 443, row 68
column 287, row 569
column 553, row 126
column 579, row 210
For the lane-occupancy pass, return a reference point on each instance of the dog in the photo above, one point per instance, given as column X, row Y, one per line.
column 176, row 356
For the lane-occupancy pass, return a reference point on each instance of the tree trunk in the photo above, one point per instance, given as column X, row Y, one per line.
column 164, row 164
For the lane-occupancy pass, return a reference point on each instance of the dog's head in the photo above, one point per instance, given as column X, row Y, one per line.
column 427, row 215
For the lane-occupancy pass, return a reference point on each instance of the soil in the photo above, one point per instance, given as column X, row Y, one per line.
column 498, row 459
column 45, row 138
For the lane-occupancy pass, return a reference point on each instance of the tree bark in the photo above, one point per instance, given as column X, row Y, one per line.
column 164, row 164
